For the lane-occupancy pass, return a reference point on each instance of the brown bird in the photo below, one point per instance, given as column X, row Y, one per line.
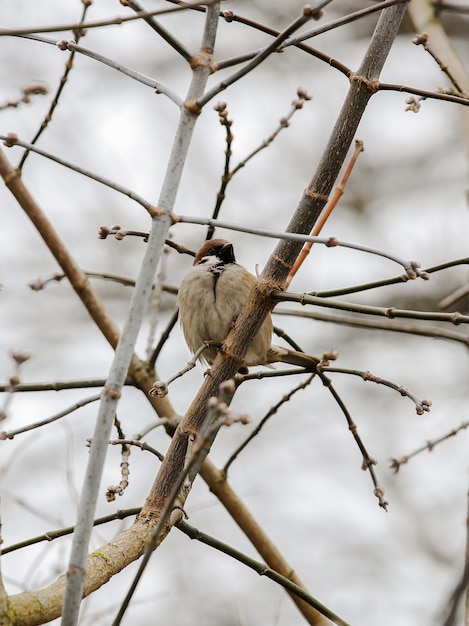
column 210, row 298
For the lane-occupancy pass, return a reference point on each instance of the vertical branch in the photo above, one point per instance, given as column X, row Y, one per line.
column 107, row 409
column 140, row 298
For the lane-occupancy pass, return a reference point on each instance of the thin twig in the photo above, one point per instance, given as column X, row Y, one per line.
column 143, row 445
column 297, row 104
column 74, row 407
column 19, row 32
column 307, row 15
column 403, row 278
column 412, row 268
column 326, row 212
column 424, row 93
column 226, row 176
column 368, row 462
column 55, row 385
column 390, row 312
column 39, row 285
column 18, row 357
column 12, row 140
column 421, row 406
column 158, row 86
column 62, row 532
column 162, row 32
column 163, row 339
column 63, row 80
column 422, row 40
column 34, row 89
column 119, row 233
column 429, row 445
column 160, row 387
column 261, row 568
column 340, row 21
column 155, row 304
column 228, row 173
column 397, row 327
column 297, row 41
column 272, row 411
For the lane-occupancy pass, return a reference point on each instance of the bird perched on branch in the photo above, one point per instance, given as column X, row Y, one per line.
column 210, row 298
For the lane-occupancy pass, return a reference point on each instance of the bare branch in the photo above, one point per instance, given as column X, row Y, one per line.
column 74, row 407
column 30, row 90
column 11, row 140
column 368, row 462
column 397, row 327
column 412, row 268
column 272, row 411
column 421, row 406
column 298, row 40
column 262, row 569
column 50, row 535
column 63, row 80
column 307, row 15
column 158, row 28
column 74, row 26
column 159, row 87
column 429, row 445
column 423, row 15
column 390, row 312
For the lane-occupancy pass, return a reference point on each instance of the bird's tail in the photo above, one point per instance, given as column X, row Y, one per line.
column 284, row 355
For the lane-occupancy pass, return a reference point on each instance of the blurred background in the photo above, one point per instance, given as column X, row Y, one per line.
column 301, row 477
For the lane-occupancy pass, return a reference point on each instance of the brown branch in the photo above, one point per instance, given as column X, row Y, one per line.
column 429, row 445
column 455, row 318
column 422, row 40
column 158, row 28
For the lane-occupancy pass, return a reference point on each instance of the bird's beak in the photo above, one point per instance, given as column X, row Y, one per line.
column 227, row 253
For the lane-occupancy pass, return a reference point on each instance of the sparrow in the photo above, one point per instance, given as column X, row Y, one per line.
column 210, row 298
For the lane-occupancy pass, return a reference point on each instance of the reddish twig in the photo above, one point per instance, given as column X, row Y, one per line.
column 330, row 206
